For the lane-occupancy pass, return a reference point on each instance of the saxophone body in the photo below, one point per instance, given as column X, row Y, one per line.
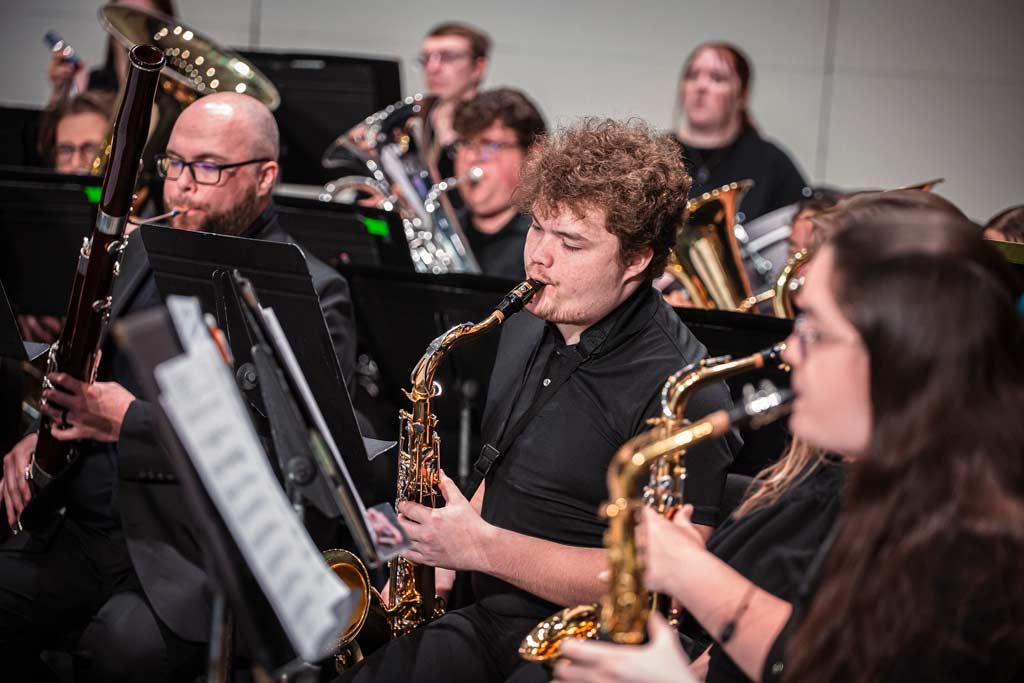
column 412, row 599
column 653, row 460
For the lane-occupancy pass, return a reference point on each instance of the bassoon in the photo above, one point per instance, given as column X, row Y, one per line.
column 77, row 350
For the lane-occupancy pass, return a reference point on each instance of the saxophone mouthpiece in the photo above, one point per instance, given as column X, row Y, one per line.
column 518, row 297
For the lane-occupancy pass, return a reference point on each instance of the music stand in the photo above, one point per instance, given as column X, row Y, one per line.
column 426, row 306
column 321, row 96
column 200, row 265
column 44, row 217
column 13, row 354
column 343, row 234
column 149, row 339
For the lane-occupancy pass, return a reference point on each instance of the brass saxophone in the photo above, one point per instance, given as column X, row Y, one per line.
column 412, row 599
column 656, row 454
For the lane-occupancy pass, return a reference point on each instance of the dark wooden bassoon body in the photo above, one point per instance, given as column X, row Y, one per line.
column 76, row 352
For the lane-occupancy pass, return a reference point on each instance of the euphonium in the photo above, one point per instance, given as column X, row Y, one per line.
column 706, row 260
column 391, row 143
column 412, row 599
column 656, row 454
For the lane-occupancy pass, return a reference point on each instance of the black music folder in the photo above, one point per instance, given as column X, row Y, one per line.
column 44, row 217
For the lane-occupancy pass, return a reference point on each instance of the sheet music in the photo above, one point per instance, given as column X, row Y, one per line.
column 385, row 551
column 198, row 394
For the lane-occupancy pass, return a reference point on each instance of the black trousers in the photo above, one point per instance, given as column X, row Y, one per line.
column 468, row 645
column 73, row 588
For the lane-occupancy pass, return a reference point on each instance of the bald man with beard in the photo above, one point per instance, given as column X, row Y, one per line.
column 127, row 567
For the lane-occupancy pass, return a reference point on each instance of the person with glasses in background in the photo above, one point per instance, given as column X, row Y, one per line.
column 125, row 568
column 496, row 130
column 905, row 361
column 70, row 139
column 454, row 59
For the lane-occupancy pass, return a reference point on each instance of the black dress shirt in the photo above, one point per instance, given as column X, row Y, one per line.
column 551, row 480
column 774, row 545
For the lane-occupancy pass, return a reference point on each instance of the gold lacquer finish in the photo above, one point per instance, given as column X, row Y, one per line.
column 654, row 459
column 706, row 259
column 412, row 599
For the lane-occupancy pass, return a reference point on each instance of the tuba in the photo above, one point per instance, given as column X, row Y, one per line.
column 412, row 600
column 656, row 454
column 195, row 66
column 706, row 260
column 392, row 145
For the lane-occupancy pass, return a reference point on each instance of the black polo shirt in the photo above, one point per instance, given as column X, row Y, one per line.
column 551, row 480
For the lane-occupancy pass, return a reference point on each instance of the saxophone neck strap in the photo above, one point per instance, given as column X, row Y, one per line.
column 490, row 454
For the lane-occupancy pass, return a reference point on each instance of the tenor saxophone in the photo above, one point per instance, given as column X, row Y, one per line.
column 412, row 599
column 657, row 455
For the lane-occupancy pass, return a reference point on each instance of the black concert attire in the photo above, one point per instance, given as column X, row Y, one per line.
column 123, row 563
column 499, row 254
column 978, row 634
column 773, row 546
column 566, row 409
column 777, row 180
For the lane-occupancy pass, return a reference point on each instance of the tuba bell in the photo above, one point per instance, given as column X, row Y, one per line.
column 706, row 259
column 196, row 66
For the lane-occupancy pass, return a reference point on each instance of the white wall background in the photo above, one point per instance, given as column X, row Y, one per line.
column 863, row 93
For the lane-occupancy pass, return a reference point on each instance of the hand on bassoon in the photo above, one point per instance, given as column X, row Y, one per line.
column 14, row 489
column 90, row 411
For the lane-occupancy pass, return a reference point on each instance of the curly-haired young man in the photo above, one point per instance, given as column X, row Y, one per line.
column 574, row 379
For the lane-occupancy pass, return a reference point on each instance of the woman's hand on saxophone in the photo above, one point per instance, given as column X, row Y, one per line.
column 452, row 537
column 660, row 659
column 666, row 546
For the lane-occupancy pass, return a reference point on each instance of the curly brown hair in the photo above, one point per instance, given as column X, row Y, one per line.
column 625, row 169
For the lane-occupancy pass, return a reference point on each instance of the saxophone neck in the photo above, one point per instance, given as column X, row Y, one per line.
column 684, row 384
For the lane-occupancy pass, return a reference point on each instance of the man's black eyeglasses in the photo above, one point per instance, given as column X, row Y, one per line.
column 204, row 172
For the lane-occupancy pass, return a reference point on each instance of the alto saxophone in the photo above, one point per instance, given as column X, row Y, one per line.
column 656, row 454
column 412, row 599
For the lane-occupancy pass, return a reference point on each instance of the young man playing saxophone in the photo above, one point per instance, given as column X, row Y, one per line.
column 572, row 382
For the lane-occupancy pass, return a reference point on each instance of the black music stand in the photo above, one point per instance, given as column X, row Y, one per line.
column 345, row 234
column 200, row 265
column 149, row 339
column 13, row 354
column 44, row 217
column 400, row 313
column 322, row 95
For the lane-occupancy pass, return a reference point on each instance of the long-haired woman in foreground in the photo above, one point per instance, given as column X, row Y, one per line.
column 907, row 363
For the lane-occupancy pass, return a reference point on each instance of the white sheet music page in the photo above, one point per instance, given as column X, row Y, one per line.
column 198, row 394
